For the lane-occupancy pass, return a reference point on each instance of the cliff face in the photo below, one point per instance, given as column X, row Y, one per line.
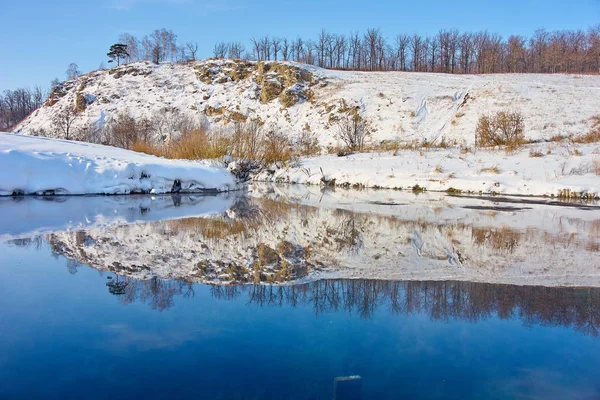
column 295, row 99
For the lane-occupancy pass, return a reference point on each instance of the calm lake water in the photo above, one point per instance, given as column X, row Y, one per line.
column 108, row 297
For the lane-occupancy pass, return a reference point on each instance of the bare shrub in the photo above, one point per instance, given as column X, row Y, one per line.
column 596, row 165
column 170, row 123
column 307, row 143
column 352, row 130
column 247, row 140
column 505, row 128
column 123, row 131
column 90, row 132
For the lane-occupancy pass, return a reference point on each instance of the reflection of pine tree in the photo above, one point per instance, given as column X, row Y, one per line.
column 117, row 287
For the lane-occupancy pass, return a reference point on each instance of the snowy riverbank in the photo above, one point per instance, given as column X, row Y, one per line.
column 545, row 169
column 34, row 165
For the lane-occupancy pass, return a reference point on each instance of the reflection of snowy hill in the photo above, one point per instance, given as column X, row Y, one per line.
column 367, row 235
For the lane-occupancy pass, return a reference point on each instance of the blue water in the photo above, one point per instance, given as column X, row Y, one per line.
column 63, row 335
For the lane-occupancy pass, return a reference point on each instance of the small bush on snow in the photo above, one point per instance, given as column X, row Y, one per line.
column 504, row 128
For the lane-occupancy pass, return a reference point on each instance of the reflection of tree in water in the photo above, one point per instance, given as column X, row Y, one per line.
column 117, row 287
column 156, row 292
column 442, row 301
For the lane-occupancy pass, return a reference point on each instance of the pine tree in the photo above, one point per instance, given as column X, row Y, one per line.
column 117, row 51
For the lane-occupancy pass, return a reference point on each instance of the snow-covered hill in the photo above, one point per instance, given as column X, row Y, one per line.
column 294, row 98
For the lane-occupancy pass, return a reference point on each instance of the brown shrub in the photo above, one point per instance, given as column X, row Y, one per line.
column 246, row 142
column 276, row 148
column 502, row 239
column 505, row 128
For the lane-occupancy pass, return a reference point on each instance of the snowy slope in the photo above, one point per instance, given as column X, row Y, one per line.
column 33, row 165
column 397, row 105
column 559, row 169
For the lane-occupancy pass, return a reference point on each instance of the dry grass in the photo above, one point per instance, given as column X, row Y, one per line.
column 246, row 142
column 490, row 170
column 593, row 136
column 147, row 148
column 596, row 165
column 196, row 145
column 535, row 153
column 502, row 240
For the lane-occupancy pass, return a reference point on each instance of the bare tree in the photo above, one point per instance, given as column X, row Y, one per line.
column 17, row 104
column 352, row 130
column 63, row 121
column 285, row 49
column 276, row 46
column 72, row 71
column 401, row 51
column 133, row 47
column 448, row 51
column 220, row 50
column 192, row 49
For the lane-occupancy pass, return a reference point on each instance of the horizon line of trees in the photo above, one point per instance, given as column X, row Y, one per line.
column 17, row 104
column 448, row 51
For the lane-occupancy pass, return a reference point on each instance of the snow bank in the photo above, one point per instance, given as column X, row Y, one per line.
column 33, row 165
column 559, row 169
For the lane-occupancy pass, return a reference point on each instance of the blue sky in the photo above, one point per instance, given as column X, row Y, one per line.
column 39, row 38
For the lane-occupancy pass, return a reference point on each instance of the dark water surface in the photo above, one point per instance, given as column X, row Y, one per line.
column 68, row 331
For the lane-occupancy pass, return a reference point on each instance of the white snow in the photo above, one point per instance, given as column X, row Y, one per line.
column 34, row 165
column 561, row 168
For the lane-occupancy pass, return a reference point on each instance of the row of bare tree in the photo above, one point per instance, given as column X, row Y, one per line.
column 16, row 104
column 448, row 51
column 160, row 45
